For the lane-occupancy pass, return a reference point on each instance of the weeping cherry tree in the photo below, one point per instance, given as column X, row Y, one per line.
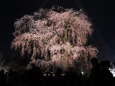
column 55, row 38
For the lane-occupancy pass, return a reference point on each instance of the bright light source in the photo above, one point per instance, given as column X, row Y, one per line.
column 112, row 70
column 82, row 72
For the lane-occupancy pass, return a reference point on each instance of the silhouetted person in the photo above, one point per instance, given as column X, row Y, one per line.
column 94, row 78
column 10, row 77
column 23, row 77
column 107, row 77
column 72, row 78
column 58, row 77
column 34, row 76
column 3, row 79
column 15, row 77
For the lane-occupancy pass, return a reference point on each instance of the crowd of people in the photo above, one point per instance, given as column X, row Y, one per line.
column 99, row 76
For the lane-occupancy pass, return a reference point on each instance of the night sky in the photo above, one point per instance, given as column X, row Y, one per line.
column 101, row 13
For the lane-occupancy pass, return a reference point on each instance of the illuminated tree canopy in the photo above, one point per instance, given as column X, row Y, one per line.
column 56, row 38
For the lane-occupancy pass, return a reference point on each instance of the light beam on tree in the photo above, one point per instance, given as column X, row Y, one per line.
column 58, row 37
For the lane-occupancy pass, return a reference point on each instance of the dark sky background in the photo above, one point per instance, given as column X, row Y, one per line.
column 101, row 13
